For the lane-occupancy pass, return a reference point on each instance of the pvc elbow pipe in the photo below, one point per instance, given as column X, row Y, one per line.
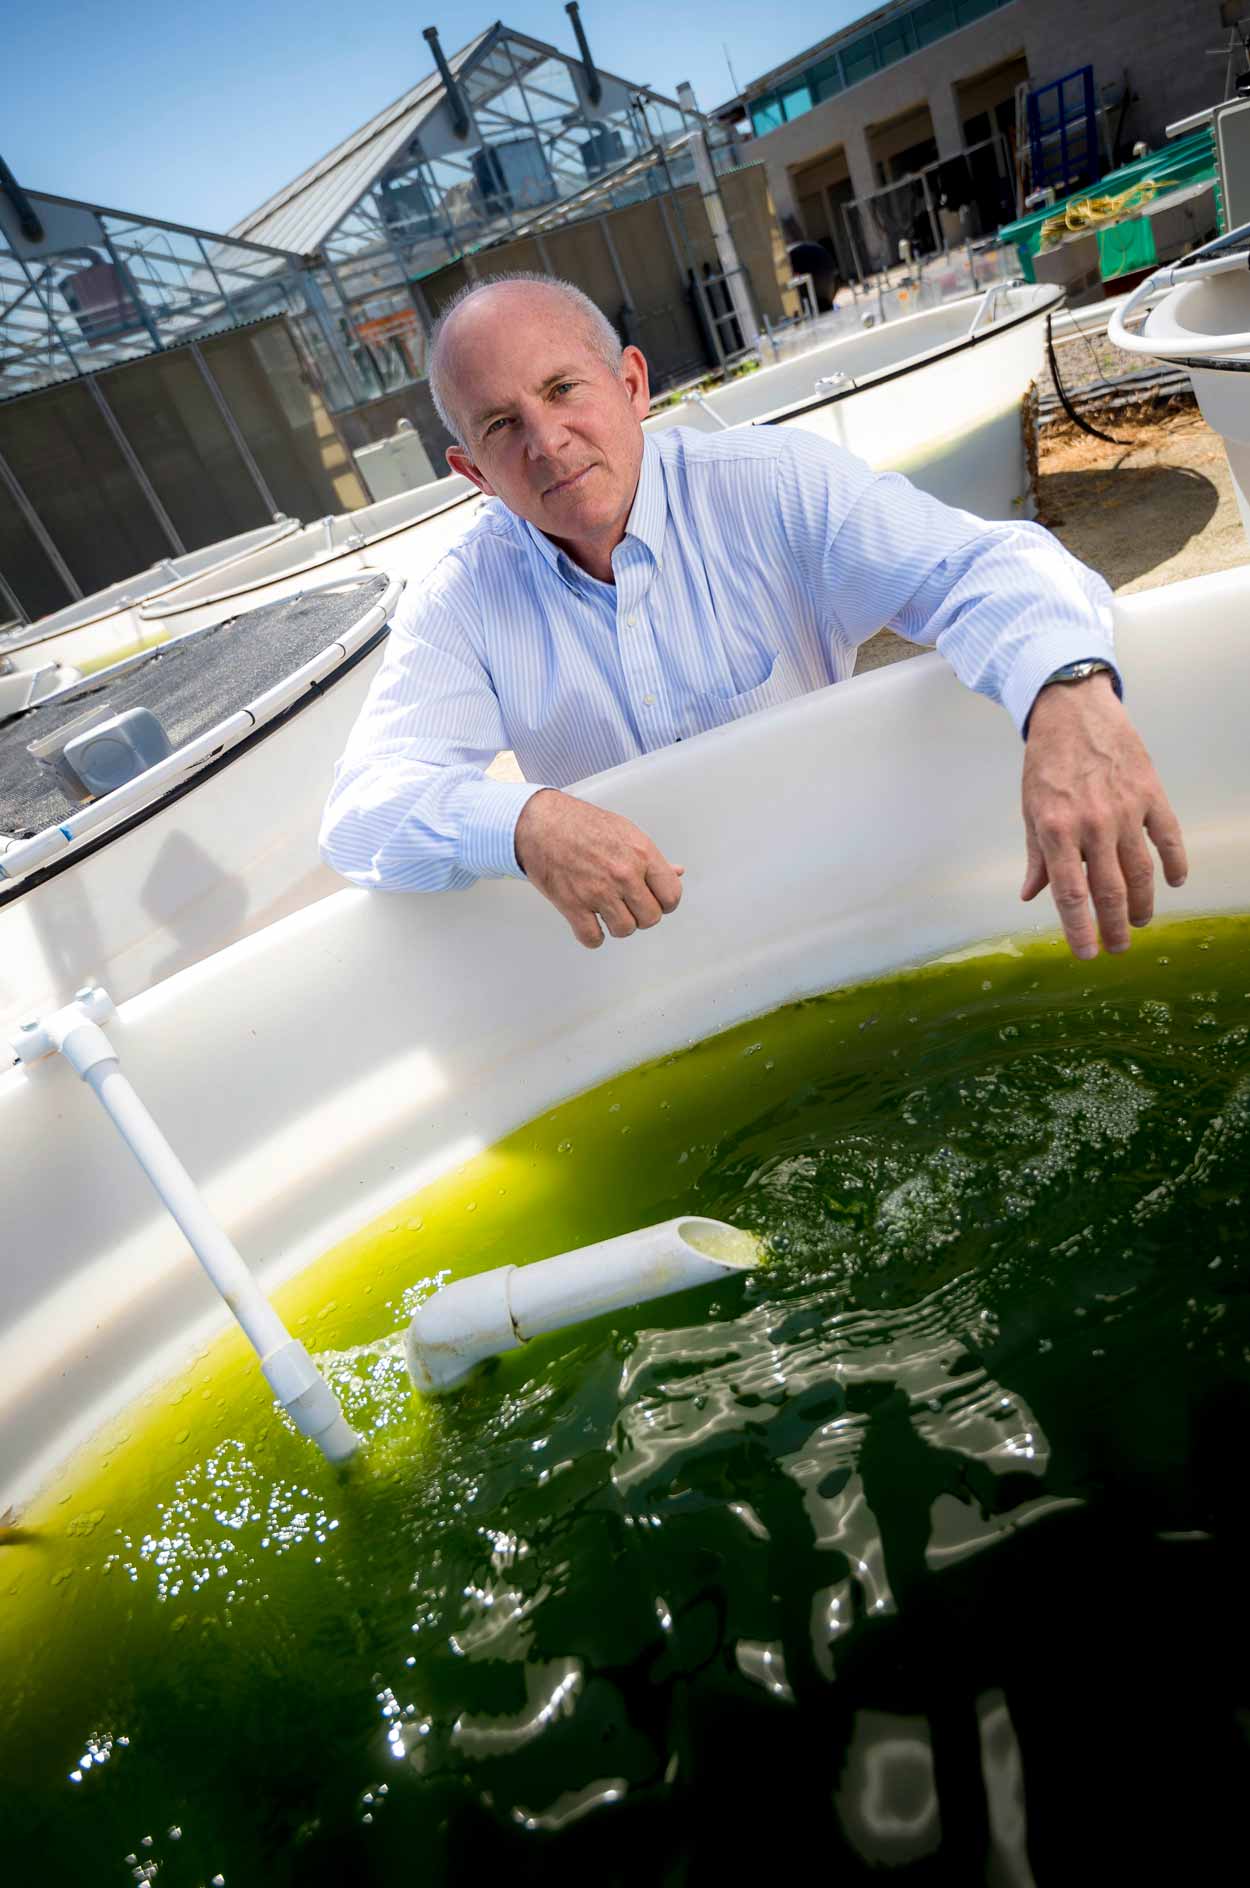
column 497, row 1311
column 75, row 1033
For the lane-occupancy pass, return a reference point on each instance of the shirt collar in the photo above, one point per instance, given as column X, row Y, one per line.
column 648, row 516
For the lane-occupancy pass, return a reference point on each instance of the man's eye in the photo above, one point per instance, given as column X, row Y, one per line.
column 564, row 386
column 501, row 421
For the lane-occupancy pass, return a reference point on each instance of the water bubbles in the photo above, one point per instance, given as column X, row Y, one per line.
column 564, row 1147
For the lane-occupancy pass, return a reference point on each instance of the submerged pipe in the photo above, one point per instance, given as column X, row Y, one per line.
column 594, row 85
column 480, row 1317
column 455, row 97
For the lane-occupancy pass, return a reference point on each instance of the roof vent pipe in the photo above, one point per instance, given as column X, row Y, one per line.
column 594, row 89
column 455, row 97
column 27, row 220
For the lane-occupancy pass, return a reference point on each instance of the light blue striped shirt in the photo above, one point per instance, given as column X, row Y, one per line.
column 753, row 565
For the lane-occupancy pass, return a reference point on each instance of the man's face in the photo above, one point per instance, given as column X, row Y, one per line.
column 550, row 429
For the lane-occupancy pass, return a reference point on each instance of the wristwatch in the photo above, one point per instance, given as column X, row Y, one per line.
column 1075, row 672
column 1080, row 671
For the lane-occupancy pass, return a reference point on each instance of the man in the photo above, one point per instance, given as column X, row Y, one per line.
column 628, row 591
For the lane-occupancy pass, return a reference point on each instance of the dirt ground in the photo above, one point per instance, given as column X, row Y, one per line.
column 1151, row 510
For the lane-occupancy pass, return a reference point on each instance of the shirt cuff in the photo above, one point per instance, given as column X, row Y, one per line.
column 488, row 833
column 1039, row 659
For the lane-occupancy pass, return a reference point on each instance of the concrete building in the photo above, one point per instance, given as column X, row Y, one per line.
column 926, row 90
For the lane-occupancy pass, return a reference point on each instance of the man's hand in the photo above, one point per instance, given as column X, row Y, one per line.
column 1089, row 791
column 594, row 865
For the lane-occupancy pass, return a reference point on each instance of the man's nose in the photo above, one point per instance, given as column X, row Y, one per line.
column 545, row 433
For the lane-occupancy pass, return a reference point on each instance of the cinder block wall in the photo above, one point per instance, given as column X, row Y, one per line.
column 1161, row 44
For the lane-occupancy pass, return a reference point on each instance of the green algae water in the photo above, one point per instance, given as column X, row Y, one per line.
column 921, row 1550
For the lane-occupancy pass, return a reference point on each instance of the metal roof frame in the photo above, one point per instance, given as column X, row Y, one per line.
column 306, row 212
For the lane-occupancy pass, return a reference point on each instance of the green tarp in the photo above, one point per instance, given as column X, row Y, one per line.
column 1129, row 245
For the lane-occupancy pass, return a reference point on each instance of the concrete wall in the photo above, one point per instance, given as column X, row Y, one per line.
column 59, row 446
column 1162, row 44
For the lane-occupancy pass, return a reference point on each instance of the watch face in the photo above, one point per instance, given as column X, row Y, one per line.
column 1078, row 671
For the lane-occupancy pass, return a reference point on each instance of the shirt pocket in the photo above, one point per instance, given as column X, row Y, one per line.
column 782, row 683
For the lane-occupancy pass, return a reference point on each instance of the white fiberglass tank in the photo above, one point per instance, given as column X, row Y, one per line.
column 105, row 627
column 402, row 535
column 127, row 879
column 317, row 1073
column 939, row 396
column 1203, row 325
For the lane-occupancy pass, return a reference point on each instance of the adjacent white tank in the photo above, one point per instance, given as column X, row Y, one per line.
column 393, row 535
column 1203, row 325
column 105, row 627
column 215, row 841
column 938, row 396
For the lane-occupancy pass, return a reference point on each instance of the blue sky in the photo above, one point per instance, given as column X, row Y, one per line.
column 198, row 113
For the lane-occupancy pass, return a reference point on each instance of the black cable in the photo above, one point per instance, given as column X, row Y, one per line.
column 1065, row 402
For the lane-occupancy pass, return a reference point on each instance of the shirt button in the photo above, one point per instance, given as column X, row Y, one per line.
column 631, row 620
column 648, row 701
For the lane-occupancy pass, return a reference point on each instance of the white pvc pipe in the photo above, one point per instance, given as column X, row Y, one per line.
column 983, row 308
column 289, row 1370
column 497, row 1311
column 695, row 398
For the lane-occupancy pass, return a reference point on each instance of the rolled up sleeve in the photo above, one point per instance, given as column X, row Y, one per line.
column 1005, row 604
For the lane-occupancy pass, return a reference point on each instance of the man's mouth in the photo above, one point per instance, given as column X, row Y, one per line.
column 566, row 485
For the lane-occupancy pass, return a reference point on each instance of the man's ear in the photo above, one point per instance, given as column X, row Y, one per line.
column 459, row 461
column 637, row 381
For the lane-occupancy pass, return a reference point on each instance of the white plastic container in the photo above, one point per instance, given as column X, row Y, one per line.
column 316, row 1073
column 396, row 535
column 396, row 464
column 106, row 627
column 1203, row 325
column 938, row 396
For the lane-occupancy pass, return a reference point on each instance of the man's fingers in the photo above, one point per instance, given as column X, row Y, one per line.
column 1070, row 892
column 584, row 925
column 618, row 917
column 664, row 883
column 644, row 907
column 1138, row 869
column 1164, row 829
column 1109, row 893
column 1035, row 872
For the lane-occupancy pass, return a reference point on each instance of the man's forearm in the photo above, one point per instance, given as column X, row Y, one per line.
column 1009, row 608
column 395, row 824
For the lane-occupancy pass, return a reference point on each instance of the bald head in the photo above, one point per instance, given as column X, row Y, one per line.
column 483, row 308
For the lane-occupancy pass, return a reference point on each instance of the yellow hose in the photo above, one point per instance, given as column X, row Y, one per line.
column 1088, row 212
